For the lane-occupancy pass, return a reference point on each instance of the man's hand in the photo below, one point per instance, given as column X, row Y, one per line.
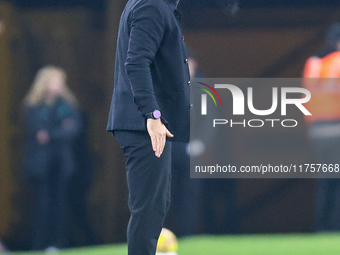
column 158, row 133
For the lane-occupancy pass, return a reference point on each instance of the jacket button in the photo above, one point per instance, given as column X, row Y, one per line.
column 189, row 83
column 191, row 106
column 186, row 60
column 183, row 38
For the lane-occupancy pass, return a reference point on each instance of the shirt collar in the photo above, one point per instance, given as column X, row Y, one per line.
column 172, row 3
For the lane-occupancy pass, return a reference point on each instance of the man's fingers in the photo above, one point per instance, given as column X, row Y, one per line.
column 158, row 151
column 158, row 144
column 162, row 143
column 154, row 143
column 168, row 133
column 158, row 134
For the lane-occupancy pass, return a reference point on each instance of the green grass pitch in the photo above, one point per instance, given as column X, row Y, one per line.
column 285, row 244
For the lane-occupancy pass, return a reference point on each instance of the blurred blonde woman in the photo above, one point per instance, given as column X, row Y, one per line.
column 51, row 123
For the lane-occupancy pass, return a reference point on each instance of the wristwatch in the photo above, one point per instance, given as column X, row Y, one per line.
column 156, row 114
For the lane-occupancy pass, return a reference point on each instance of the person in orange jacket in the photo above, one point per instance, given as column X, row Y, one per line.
column 322, row 73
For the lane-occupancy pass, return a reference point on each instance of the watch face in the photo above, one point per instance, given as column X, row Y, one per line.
column 156, row 114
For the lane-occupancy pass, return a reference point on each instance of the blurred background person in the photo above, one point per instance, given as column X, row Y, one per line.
column 192, row 198
column 220, row 212
column 51, row 123
column 323, row 69
column 215, row 199
column 184, row 209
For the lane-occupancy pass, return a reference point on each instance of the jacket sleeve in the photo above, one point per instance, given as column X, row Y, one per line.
column 146, row 34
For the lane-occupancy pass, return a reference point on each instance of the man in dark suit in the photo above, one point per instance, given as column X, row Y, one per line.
column 150, row 107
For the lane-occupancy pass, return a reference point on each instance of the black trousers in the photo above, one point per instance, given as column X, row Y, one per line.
column 148, row 179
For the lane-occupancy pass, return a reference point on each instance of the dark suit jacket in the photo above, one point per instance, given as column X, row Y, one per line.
column 151, row 70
